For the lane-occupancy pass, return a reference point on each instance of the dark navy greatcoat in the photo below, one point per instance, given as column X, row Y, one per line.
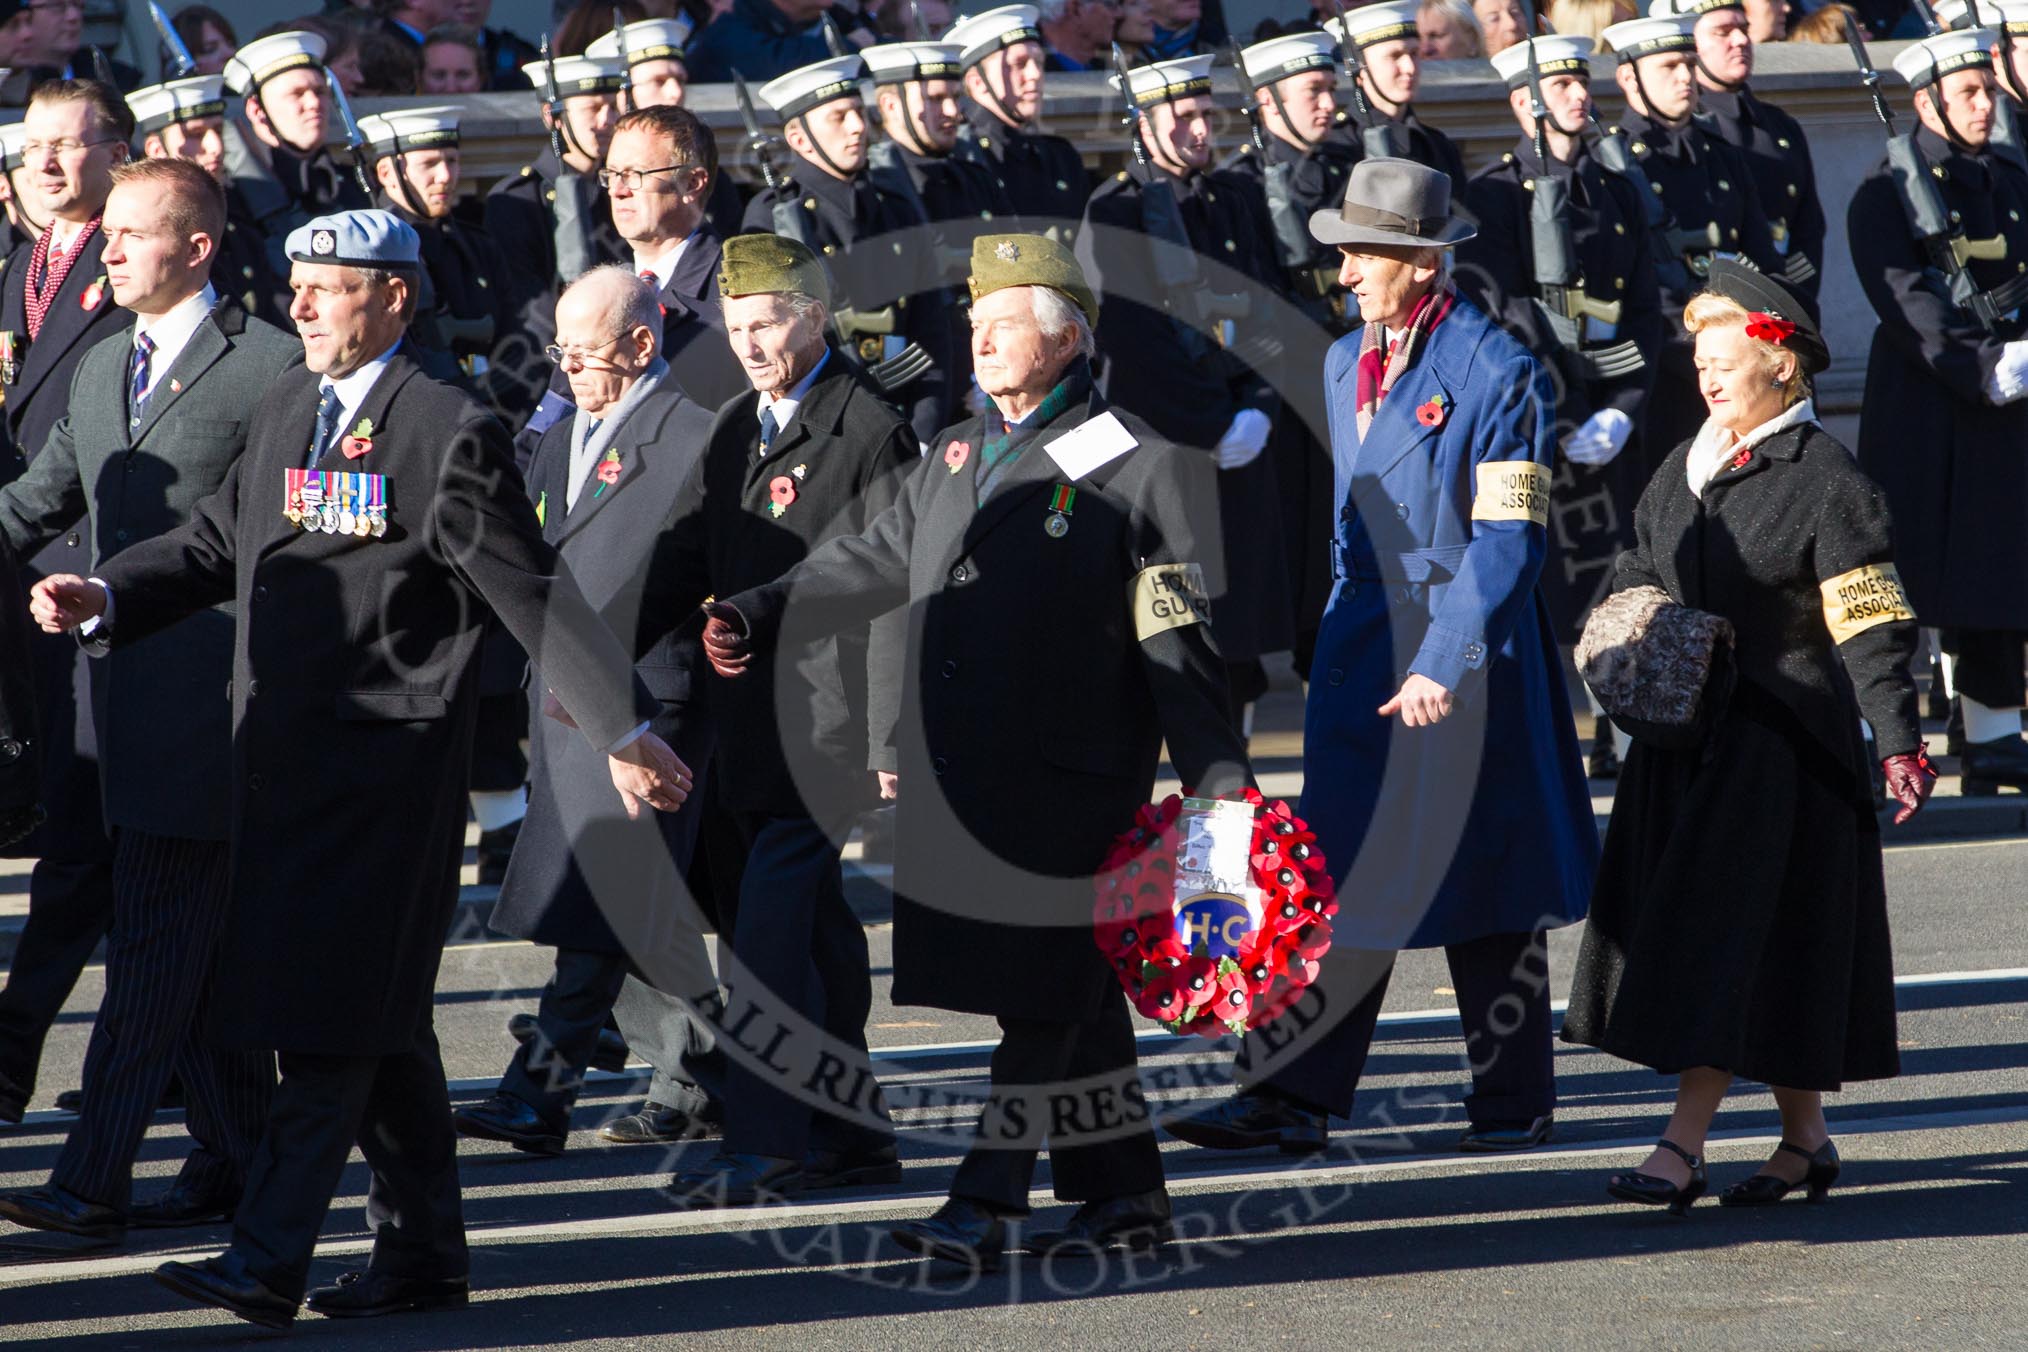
column 1481, row 825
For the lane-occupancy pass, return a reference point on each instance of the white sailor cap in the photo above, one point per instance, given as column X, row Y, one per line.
column 578, row 75
column 1295, row 54
column 806, row 87
column 648, row 40
column 11, row 137
column 1697, row 9
column 357, row 239
column 264, row 58
column 1371, row 25
column 906, row 62
column 1652, row 36
column 1925, row 62
column 2010, row 16
column 1167, row 81
column 981, row 35
column 405, row 129
column 157, row 106
column 1555, row 54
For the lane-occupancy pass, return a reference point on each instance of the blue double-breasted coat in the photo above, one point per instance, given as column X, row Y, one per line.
column 1482, row 824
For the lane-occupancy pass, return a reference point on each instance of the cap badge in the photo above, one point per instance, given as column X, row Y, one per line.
column 1007, row 251
column 323, row 242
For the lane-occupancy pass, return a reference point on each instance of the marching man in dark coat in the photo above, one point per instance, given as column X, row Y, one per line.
column 809, row 453
column 607, row 891
column 1042, row 176
column 1947, row 388
column 1596, row 327
column 1042, row 549
column 372, row 525
column 1197, row 356
column 1772, row 142
column 1441, row 768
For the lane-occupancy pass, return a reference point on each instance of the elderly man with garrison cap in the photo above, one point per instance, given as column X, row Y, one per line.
column 369, row 530
column 1437, row 711
column 811, row 452
column 1041, row 549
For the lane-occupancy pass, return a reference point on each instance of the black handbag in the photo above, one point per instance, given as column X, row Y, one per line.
column 1662, row 672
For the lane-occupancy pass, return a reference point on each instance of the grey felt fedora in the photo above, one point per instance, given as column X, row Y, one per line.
column 1389, row 201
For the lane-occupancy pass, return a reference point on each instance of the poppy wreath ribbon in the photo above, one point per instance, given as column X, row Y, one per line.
column 1187, row 989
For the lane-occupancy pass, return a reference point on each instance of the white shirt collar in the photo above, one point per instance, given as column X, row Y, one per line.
column 1716, row 446
column 786, row 405
column 352, row 390
column 664, row 267
column 172, row 331
column 63, row 235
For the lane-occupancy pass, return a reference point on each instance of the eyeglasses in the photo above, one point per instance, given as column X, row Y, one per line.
column 581, row 359
column 61, row 148
column 634, row 178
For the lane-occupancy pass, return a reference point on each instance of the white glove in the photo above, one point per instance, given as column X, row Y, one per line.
column 2009, row 379
column 1602, row 437
column 1244, row 440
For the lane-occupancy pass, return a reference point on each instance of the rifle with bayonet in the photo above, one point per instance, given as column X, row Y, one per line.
column 181, row 63
column 355, row 143
column 1939, row 230
column 1294, row 247
column 626, row 98
column 1378, row 136
column 1665, row 241
column 572, row 204
column 790, row 220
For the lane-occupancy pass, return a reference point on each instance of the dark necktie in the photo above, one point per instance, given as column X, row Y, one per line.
column 327, row 423
column 137, row 380
column 768, row 428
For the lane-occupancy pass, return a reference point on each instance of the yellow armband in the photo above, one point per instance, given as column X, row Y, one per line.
column 1868, row 595
column 1512, row 490
column 1168, row 596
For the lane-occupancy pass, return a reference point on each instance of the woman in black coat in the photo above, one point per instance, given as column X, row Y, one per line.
column 1739, row 924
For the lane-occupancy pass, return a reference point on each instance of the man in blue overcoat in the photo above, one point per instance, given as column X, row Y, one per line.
column 1441, row 769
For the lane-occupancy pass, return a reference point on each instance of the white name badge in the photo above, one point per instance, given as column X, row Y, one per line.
column 1098, row 442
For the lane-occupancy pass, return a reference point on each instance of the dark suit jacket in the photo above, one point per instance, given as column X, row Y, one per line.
column 794, row 736
column 581, row 871
column 162, row 707
column 41, row 389
column 693, row 328
column 354, row 670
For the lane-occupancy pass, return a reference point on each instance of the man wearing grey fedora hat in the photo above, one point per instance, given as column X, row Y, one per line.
column 1437, row 710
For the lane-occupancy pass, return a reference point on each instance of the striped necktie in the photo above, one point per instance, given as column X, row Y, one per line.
column 137, row 380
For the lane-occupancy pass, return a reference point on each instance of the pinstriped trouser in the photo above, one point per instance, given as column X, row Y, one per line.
column 169, row 901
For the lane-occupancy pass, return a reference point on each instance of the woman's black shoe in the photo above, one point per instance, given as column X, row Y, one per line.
column 1604, row 761
column 1651, row 1191
column 1766, row 1189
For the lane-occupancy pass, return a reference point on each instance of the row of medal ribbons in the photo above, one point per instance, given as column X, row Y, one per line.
column 337, row 502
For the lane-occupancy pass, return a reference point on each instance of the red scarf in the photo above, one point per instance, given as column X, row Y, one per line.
column 1378, row 371
column 38, row 300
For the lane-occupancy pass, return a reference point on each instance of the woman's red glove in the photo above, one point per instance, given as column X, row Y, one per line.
column 1909, row 778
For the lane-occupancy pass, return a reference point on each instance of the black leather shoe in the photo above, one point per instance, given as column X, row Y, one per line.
column 1250, row 1121
column 506, row 1118
column 1649, row 1190
column 1518, row 1136
column 54, row 1208
column 610, row 1054
column 72, row 1100
column 851, row 1169
column 1604, row 760
column 657, row 1125
column 224, row 1281
column 362, row 1295
column 960, row 1231
column 13, row 1101
column 1137, row 1222
column 1766, row 1189
column 495, row 849
column 183, row 1205
column 1987, row 766
column 732, row 1179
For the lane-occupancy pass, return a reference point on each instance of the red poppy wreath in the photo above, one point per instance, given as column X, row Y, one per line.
column 1198, row 948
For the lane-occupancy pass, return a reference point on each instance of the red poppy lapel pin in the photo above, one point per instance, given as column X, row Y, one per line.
column 609, row 472
column 1432, row 411
column 360, row 441
column 956, row 454
column 93, row 294
column 1743, row 459
column 781, row 492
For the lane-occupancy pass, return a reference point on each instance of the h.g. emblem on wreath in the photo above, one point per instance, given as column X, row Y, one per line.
column 1214, row 912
